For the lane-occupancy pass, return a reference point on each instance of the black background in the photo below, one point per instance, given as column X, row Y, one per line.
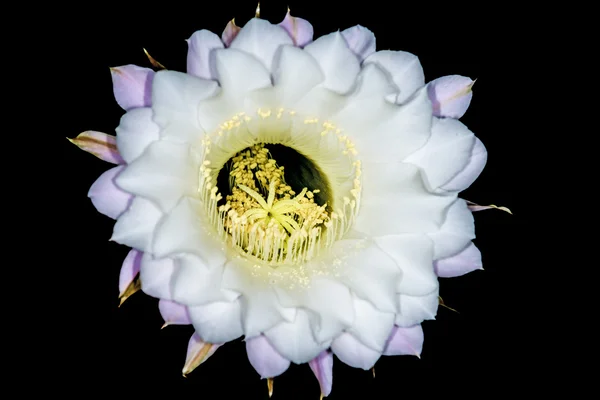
column 122, row 351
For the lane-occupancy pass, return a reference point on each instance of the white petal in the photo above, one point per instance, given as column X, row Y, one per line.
column 200, row 57
column 462, row 263
column 186, row 230
column 353, row 353
column 107, row 197
column 156, row 276
column 175, row 100
column 218, row 322
column 295, row 73
column 360, row 40
column 195, row 283
column 173, row 313
column 395, row 200
column 264, row 358
column 294, row 340
column 261, row 39
column 467, row 176
column 135, row 227
column 135, row 132
column 240, row 72
column 164, row 174
column 413, row 255
column 371, row 326
column 416, row 309
column 456, row 233
column 337, row 62
column 446, row 153
column 404, row 69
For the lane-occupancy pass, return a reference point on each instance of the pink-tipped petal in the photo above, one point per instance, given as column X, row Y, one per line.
column 322, row 367
column 197, row 352
column 129, row 269
column 230, row 32
column 462, row 263
column 360, row 40
column 200, row 63
column 405, row 341
column 107, row 197
column 353, row 353
column 475, row 165
column 100, row 144
column 173, row 313
column 450, row 95
column 476, row 207
column 264, row 358
column 132, row 86
column 300, row 30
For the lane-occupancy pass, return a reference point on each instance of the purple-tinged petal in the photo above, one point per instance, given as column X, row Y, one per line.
column 471, row 171
column 230, row 32
column 107, row 197
column 173, row 313
column 129, row 269
column 200, row 63
column 405, row 341
column 450, row 95
column 360, row 40
column 264, row 358
column 462, row 263
column 476, row 207
column 197, row 352
column 100, row 144
column 132, row 86
column 322, row 367
column 353, row 353
column 300, row 30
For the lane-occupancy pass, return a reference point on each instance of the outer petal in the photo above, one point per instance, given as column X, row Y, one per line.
column 135, row 227
column 415, row 309
column 462, row 263
column 405, row 341
column 300, row 30
column 135, row 132
column 157, row 275
column 360, row 40
column 467, row 176
column 456, row 232
column 107, row 197
column 261, row 39
column 230, row 32
column 100, row 144
column 198, row 351
column 322, row 367
column 352, row 352
column 404, row 69
column 337, row 62
column 200, row 58
column 450, row 95
column 218, row 322
column 264, row 358
column 132, row 86
column 174, row 313
column 129, row 270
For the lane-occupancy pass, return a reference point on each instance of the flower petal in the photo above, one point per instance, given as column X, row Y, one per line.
column 173, row 313
column 217, row 322
column 300, row 30
column 322, row 367
column 416, row 309
column 261, row 39
column 100, row 144
column 405, row 341
column 360, row 41
column 467, row 175
column 459, row 264
column 200, row 57
column 404, row 69
column 446, row 153
column 164, row 173
column 230, row 32
column 264, row 358
column 132, row 86
column 338, row 63
column 135, row 227
column 198, row 351
column 135, row 133
column 450, row 95
column 107, row 197
column 456, row 232
column 371, row 326
column 195, row 283
column 353, row 353
column 294, row 340
column 129, row 270
column 295, row 73
column 157, row 275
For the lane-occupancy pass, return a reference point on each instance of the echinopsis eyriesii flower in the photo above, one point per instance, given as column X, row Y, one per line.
column 299, row 193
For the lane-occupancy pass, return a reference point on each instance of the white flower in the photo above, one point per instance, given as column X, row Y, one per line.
column 300, row 194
